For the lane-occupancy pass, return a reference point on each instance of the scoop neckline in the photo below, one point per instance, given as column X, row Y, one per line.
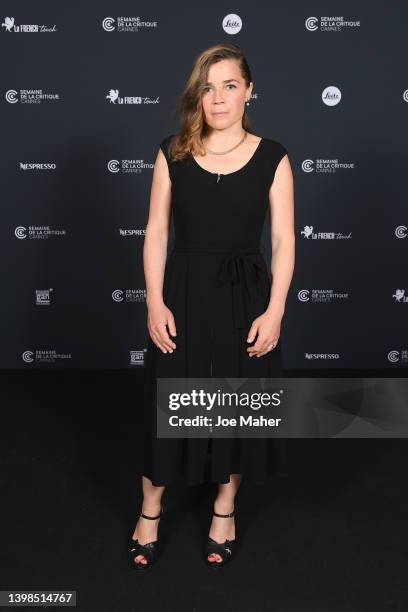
column 235, row 171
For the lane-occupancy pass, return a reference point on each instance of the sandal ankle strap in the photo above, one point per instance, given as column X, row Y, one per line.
column 224, row 515
column 152, row 518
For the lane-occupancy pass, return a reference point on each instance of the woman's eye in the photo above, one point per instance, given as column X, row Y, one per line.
column 205, row 89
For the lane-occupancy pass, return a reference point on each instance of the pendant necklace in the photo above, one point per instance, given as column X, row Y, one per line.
column 224, row 152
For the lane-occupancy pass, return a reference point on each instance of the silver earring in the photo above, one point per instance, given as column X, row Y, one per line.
column 247, row 103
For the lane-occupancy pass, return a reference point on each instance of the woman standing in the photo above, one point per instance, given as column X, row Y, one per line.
column 213, row 309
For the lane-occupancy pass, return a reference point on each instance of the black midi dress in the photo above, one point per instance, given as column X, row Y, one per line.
column 216, row 282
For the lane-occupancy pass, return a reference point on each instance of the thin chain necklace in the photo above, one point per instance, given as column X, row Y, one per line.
column 224, row 152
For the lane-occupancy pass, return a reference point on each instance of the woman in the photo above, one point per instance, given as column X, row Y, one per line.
column 219, row 179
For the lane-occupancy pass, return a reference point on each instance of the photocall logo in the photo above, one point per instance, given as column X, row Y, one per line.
column 20, row 232
column 331, row 95
column 232, row 24
column 126, row 24
column 108, row 24
column 401, row 231
column 129, row 295
column 312, row 24
column 405, row 95
column 113, row 165
column 31, row 28
column 325, row 166
column 37, row 166
column 329, row 24
column 114, row 98
column 321, row 295
column 322, row 356
column 37, row 232
column 11, row 96
column 303, row 295
column 398, row 356
column 131, row 232
column 400, row 296
column 43, row 297
column 137, row 358
column 128, row 166
column 307, row 232
column 8, row 23
column 30, row 96
column 44, row 356
column 307, row 165
column 117, row 295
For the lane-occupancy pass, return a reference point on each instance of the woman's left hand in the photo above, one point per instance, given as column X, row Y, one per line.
column 267, row 325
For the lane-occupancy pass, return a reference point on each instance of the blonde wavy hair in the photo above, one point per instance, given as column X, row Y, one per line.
column 193, row 125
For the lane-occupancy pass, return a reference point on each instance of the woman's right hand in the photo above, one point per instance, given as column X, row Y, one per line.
column 158, row 316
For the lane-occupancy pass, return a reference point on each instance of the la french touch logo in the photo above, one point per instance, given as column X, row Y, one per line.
column 308, row 233
column 114, row 98
column 10, row 25
column 400, row 296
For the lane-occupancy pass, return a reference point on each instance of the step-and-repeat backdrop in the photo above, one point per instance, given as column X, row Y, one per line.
column 87, row 94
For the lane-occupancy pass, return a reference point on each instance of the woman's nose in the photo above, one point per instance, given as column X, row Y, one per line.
column 218, row 96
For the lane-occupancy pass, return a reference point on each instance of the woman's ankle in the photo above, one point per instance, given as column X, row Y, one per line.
column 151, row 507
column 224, row 505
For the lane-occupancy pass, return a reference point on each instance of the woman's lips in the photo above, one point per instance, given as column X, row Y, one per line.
column 220, row 113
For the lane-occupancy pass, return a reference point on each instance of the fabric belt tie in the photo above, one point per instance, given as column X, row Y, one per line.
column 241, row 268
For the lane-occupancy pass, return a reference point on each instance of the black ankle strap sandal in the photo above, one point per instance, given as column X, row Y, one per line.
column 149, row 550
column 225, row 549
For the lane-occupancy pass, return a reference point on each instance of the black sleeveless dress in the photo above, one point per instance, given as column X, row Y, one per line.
column 216, row 282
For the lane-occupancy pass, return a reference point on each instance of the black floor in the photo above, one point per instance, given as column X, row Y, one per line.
column 330, row 537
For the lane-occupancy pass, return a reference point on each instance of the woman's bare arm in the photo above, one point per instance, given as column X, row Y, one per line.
column 281, row 200
column 157, row 230
column 155, row 254
column 267, row 326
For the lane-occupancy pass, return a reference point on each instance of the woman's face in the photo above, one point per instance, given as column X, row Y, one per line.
column 225, row 94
